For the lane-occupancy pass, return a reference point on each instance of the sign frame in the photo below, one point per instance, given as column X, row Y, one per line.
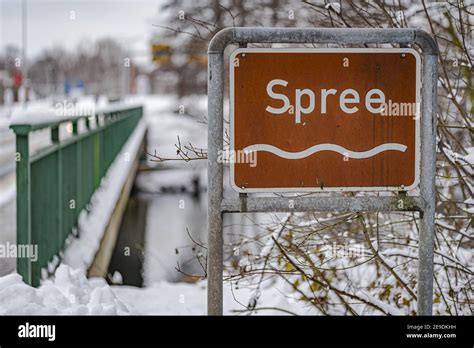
column 316, row 51
column 424, row 203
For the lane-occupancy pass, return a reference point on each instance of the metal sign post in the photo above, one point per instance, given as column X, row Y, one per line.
column 424, row 203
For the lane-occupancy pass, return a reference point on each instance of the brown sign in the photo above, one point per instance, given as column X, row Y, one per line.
column 327, row 119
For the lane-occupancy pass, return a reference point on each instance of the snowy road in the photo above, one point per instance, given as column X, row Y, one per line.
column 7, row 192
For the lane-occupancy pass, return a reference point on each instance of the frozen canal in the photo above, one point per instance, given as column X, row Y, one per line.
column 165, row 229
column 159, row 228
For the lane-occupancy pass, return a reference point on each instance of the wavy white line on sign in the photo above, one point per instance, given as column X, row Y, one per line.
column 326, row 147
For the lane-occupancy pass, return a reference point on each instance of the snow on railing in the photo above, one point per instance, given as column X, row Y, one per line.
column 55, row 184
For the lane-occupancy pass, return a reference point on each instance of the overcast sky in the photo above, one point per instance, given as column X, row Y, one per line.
column 67, row 22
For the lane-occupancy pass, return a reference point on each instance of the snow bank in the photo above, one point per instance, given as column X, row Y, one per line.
column 70, row 292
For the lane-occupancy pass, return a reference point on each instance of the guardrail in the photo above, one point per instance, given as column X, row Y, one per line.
column 57, row 182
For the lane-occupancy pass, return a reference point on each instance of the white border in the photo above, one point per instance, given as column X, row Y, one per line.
column 328, row 50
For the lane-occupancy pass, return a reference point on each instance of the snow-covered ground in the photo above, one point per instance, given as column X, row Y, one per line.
column 70, row 292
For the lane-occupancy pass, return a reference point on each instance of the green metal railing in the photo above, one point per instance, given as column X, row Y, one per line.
column 56, row 183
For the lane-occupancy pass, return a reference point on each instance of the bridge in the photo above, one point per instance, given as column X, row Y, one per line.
column 55, row 183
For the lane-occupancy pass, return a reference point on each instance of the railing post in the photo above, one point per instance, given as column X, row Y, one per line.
column 75, row 132
column 59, row 214
column 74, row 128
column 23, row 203
column 96, row 154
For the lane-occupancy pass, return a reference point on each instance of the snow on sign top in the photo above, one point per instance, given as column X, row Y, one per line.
column 324, row 119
